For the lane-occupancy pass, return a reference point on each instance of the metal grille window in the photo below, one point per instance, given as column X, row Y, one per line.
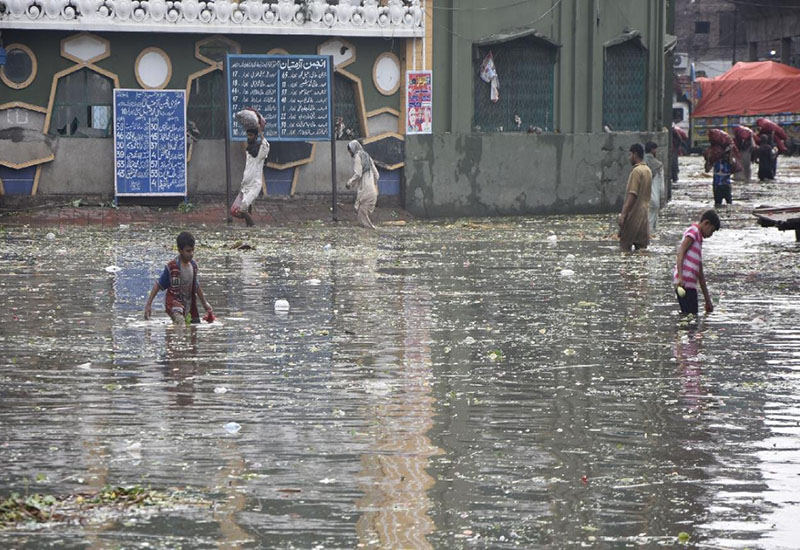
column 525, row 70
column 206, row 105
column 348, row 124
column 83, row 103
column 624, row 86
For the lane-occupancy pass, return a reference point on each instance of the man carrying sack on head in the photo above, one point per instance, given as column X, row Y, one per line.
column 257, row 151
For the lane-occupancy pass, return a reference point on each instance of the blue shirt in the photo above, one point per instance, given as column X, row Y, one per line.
column 722, row 172
column 163, row 281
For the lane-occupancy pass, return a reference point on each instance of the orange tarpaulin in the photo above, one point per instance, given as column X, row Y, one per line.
column 756, row 88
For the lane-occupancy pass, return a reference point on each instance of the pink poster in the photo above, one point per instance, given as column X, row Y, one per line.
column 419, row 102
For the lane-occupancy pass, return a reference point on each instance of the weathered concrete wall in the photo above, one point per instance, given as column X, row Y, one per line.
column 506, row 174
column 82, row 166
column 315, row 178
column 70, row 174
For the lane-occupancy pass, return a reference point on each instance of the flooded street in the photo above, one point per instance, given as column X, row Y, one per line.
column 502, row 383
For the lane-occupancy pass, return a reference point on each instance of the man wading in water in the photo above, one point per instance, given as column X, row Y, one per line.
column 365, row 178
column 257, row 151
column 634, row 224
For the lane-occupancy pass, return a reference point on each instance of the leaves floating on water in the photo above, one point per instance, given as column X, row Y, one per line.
column 41, row 508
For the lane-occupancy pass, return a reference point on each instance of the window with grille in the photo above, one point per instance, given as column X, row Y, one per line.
column 83, row 104
column 525, row 69
column 348, row 121
column 624, row 86
column 207, row 107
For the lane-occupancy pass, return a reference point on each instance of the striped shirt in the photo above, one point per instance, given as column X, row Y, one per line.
column 692, row 260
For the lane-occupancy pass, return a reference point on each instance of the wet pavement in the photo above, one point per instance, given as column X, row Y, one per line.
column 505, row 383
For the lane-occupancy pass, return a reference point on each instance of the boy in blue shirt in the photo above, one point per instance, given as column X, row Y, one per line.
column 722, row 180
column 179, row 279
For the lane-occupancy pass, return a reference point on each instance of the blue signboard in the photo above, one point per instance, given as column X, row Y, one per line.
column 292, row 93
column 150, row 142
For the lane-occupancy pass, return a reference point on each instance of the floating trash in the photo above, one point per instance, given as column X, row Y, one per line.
column 84, row 366
column 113, row 269
column 566, row 273
column 327, row 247
column 281, row 306
column 552, row 238
column 232, row 427
column 50, row 236
column 313, row 282
column 220, row 389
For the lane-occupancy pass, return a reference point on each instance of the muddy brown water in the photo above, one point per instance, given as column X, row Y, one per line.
column 474, row 384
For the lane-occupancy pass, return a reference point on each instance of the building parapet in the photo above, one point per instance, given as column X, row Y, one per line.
column 400, row 18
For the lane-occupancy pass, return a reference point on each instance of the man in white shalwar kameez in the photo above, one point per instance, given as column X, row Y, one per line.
column 365, row 179
column 252, row 178
column 657, row 189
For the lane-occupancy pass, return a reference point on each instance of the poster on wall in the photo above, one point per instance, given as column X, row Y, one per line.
column 419, row 102
column 149, row 142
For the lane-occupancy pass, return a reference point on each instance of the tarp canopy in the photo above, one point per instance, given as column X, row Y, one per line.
column 756, row 88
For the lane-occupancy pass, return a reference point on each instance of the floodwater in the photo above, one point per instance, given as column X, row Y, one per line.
column 506, row 383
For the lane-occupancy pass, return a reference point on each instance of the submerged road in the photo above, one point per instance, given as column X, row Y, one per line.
column 503, row 383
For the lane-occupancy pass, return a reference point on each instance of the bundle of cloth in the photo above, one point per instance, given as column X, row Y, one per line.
column 251, row 119
column 766, row 126
column 721, row 143
column 680, row 132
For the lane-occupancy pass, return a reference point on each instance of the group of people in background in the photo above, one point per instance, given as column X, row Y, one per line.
column 728, row 156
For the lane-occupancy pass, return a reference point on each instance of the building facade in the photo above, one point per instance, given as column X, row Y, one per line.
column 65, row 57
column 536, row 105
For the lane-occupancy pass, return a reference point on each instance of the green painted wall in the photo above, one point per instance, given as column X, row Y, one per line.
column 576, row 168
column 580, row 26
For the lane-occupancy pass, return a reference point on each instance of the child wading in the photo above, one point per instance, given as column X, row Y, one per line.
column 722, row 180
column 179, row 279
column 688, row 272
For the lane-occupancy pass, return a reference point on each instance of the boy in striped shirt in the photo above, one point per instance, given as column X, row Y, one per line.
column 688, row 271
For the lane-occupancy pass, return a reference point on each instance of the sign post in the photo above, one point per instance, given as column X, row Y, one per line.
column 334, row 213
column 228, row 216
column 293, row 93
column 148, row 159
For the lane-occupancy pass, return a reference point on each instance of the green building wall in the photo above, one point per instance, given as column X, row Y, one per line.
column 576, row 167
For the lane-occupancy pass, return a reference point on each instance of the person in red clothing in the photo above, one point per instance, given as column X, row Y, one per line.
column 179, row 279
column 688, row 272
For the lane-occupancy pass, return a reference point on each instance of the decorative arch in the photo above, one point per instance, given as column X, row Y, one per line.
column 203, row 50
column 361, row 111
column 84, row 57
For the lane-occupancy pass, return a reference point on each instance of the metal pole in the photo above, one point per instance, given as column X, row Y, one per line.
column 333, row 137
column 735, row 21
column 228, row 217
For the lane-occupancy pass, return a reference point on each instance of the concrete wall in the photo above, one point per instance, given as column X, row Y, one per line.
column 507, row 174
column 82, row 166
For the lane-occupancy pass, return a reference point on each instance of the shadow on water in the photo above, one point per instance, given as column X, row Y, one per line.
column 492, row 384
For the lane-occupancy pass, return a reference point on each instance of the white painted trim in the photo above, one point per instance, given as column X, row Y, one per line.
column 215, row 28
